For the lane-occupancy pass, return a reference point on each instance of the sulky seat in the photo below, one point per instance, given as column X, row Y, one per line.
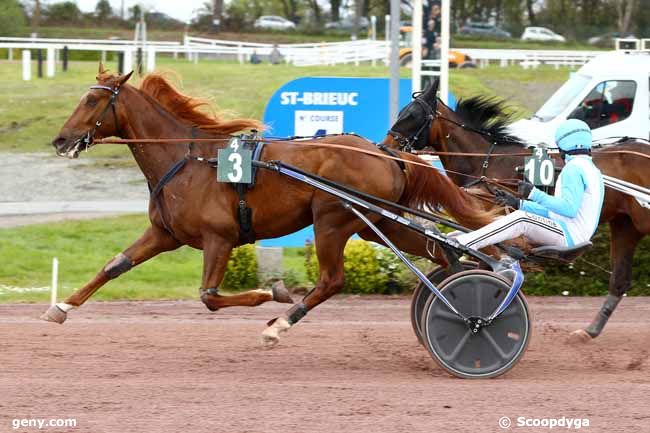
column 562, row 254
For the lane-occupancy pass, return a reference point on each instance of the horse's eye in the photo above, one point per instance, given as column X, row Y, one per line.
column 91, row 101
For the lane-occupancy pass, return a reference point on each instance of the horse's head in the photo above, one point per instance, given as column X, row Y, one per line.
column 412, row 130
column 97, row 116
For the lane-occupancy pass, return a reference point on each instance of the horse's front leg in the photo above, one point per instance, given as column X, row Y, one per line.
column 153, row 242
column 215, row 260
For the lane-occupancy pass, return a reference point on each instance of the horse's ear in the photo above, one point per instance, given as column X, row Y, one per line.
column 123, row 79
column 432, row 90
column 101, row 69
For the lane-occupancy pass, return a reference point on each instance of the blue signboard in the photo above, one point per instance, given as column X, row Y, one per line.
column 330, row 105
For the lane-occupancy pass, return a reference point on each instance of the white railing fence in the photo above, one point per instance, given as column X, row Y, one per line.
column 306, row 54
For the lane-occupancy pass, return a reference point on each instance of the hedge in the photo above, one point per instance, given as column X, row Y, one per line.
column 368, row 269
column 373, row 269
column 242, row 269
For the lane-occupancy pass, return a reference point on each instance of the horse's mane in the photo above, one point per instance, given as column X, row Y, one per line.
column 187, row 108
column 488, row 114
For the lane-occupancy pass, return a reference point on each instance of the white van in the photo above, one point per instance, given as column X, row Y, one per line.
column 611, row 93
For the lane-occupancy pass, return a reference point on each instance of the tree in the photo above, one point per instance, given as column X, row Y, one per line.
column 103, row 10
column 335, row 5
column 63, row 13
column 134, row 13
column 624, row 9
column 36, row 14
column 217, row 12
column 12, row 17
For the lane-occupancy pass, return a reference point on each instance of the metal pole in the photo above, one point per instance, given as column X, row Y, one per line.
column 394, row 60
column 39, row 58
column 444, row 51
column 65, row 58
column 416, row 47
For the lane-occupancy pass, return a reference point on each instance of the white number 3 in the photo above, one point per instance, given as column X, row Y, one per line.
column 237, row 174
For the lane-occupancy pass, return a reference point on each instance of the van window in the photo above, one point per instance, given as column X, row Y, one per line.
column 609, row 102
column 563, row 98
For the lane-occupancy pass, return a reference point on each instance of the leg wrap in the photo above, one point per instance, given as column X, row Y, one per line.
column 214, row 291
column 295, row 313
column 596, row 327
column 119, row 265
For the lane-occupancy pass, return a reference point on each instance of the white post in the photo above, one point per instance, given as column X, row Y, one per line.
column 27, row 65
column 387, row 37
column 373, row 27
column 240, row 54
column 55, row 280
column 50, row 62
column 11, row 54
column 128, row 60
column 416, row 47
column 103, row 57
column 151, row 58
column 444, row 50
column 196, row 57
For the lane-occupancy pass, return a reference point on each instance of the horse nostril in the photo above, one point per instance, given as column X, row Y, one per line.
column 58, row 141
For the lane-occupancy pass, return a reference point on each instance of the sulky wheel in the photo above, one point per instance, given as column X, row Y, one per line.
column 421, row 295
column 496, row 347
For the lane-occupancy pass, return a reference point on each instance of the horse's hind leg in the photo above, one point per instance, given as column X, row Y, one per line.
column 153, row 242
column 331, row 236
column 624, row 239
column 215, row 261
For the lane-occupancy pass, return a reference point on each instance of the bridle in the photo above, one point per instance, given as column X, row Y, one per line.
column 88, row 138
column 410, row 142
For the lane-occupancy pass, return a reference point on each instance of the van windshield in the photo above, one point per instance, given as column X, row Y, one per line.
column 562, row 98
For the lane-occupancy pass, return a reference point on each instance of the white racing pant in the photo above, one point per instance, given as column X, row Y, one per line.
column 535, row 228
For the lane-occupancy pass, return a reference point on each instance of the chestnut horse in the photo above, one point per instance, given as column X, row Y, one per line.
column 196, row 210
column 446, row 130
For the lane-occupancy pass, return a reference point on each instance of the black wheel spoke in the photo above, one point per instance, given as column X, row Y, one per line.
column 494, row 344
column 461, row 344
column 448, row 315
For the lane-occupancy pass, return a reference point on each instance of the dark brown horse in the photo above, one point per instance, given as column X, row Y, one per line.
column 457, row 131
column 196, row 210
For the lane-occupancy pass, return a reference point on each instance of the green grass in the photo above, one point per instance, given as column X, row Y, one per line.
column 84, row 247
column 31, row 113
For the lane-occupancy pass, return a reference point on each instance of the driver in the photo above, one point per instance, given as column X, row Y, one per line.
column 568, row 218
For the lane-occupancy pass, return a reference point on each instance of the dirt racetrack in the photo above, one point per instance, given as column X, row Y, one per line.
column 353, row 365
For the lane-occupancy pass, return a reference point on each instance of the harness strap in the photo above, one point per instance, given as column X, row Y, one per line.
column 386, row 149
column 155, row 192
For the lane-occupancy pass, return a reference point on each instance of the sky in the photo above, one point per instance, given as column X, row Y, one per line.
column 180, row 9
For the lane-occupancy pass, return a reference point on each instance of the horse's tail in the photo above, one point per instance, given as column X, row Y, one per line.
column 428, row 187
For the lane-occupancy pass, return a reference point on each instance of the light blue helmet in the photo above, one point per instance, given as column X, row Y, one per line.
column 573, row 134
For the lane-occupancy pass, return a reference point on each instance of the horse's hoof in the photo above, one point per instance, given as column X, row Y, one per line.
column 271, row 335
column 54, row 314
column 269, row 341
column 206, row 301
column 280, row 293
column 580, row 336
